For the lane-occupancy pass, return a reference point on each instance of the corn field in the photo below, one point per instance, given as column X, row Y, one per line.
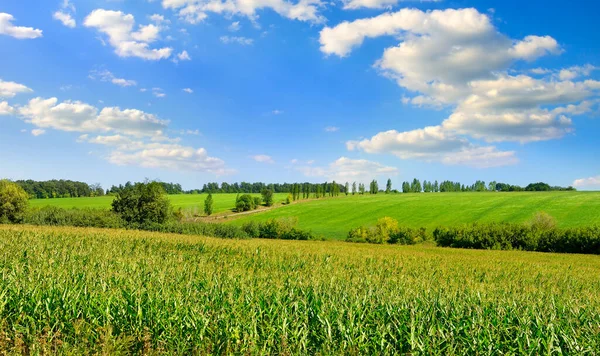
column 83, row 291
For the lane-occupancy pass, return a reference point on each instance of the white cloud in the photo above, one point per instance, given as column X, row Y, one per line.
column 158, row 92
column 376, row 4
column 184, row 56
column 188, row 90
column 263, row 159
column 234, row 27
column 159, row 19
column 434, row 144
column 587, row 182
column 277, row 112
column 332, row 129
column 195, row 11
column 244, row 41
column 107, row 76
column 19, row 32
column 576, row 71
column 349, row 170
column 458, row 59
column 133, row 137
column 119, row 28
column 65, row 18
column 76, row 116
column 6, row 109
column 11, row 89
column 128, row 152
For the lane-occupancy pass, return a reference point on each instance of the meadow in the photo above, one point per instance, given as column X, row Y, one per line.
column 82, row 290
column 191, row 202
column 334, row 217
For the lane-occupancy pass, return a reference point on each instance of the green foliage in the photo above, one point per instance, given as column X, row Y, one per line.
column 289, row 199
column 143, row 203
column 386, row 231
column 284, row 229
column 55, row 216
column 245, row 202
column 13, row 202
column 536, row 236
column 267, row 197
column 208, row 205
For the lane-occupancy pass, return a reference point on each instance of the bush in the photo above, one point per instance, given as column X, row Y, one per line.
column 245, row 202
column 208, row 205
column 13, row 202
column 267, row 197
column 252, row 229
column 529, row 237
column 257, row 202
column 143, row 203
column 55, row 216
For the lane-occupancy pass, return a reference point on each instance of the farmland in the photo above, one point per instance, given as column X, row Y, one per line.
column 113, row 291
column 222, row 202
column 333, row 218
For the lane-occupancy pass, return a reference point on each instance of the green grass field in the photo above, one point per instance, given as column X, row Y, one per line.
column 87, row 291
column 222, row 202
column 334, row 217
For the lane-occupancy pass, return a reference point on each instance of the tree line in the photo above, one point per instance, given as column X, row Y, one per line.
column 72, row 189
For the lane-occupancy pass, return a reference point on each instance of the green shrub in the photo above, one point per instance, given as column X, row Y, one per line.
column 257, row 202
column 208, row 205
column 529, row 237
column 267, row 197
column 143, row 203
column 55, row 216
column 245, row 202
column 13, row 202
column 252, row 229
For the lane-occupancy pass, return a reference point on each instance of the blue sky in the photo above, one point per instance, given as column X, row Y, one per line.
column 252, row 90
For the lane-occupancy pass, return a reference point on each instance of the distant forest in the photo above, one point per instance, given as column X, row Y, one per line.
column 71, row 189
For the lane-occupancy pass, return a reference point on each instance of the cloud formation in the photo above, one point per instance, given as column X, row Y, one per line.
column 18, row 32
column 196, row 11
column 119, row 28
column 457, row 59
column 263, row 159
column 107, row 76
column 349, row 170
column 11, row 89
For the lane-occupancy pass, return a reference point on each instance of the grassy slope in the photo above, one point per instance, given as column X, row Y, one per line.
column 114, row 291
column 222, row 202
column 333, row 218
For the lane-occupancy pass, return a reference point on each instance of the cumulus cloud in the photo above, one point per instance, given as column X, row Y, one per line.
column 458, row 59
column 188, row 90
column 332, row 129
column 195, row 11
column 132, row 136
column 19, row 32
column 107, row 76
column 172, row 156
column 184, row 56
column 244, row 41
column 11, row 89
column 119, row 28
column 348, row 170
column 76, row 116
column 263, row 159
column 434, row 144
column 65, row 18
column 590, row 182
column 6, row 109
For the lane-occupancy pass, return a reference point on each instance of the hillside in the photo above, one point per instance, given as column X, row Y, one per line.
column 334, row 217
